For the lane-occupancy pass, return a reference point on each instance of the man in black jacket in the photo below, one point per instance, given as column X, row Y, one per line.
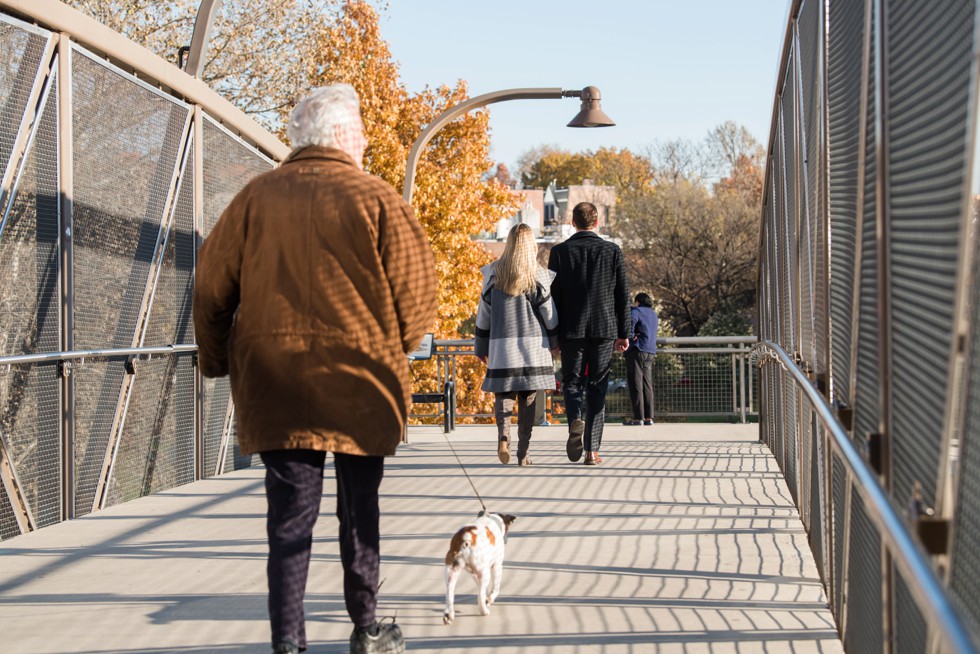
column 592, row 296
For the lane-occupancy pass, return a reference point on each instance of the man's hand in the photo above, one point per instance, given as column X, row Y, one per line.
column 621, row 345
column 483, row 359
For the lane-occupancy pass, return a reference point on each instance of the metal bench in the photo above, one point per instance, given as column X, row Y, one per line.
column 447, row 398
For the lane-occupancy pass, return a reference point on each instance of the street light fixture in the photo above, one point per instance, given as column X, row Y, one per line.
column 590, row 115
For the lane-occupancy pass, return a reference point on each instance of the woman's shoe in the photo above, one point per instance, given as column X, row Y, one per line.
column 524, row 461
column 648, row 421
column 503, row 450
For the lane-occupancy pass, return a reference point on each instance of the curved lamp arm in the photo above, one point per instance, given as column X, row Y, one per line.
column 202, row 33
column 473, row 103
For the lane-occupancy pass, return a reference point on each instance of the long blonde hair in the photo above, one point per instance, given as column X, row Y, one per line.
column 517, row 267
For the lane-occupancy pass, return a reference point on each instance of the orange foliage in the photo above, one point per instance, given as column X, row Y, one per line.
column 451, row 198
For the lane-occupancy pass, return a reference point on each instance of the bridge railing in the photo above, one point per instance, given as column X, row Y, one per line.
column 868, row 288
column 703, row 378
column 114, row 165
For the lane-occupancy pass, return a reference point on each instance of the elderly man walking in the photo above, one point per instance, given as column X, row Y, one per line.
column 312, row 287
column 592, row 296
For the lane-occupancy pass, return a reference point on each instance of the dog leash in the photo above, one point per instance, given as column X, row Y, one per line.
column 463, row 468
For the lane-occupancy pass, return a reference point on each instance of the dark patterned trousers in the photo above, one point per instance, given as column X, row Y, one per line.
column 293, row 486
column 585, row 396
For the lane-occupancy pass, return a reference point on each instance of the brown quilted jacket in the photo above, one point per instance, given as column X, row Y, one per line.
column 313, row 285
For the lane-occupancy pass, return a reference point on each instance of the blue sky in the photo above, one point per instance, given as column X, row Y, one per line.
column 667, row 69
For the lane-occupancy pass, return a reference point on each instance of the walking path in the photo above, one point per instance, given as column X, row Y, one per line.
column 685, row 540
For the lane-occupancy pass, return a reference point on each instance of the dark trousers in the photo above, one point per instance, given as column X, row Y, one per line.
column 586, row 398
column 639, row 381
column 293, row 487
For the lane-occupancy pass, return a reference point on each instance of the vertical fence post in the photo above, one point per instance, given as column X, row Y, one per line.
column 741, row 385
column 198, row 181
column 65, row 193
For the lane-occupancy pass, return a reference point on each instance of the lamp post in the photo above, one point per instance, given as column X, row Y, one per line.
column 590, row 115
column 206, row 14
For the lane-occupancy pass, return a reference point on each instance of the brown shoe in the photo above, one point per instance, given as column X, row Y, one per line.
column 503, row 451
column 524, row 461
column 592, row 459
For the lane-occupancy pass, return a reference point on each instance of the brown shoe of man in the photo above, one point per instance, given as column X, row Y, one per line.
column 592, row 459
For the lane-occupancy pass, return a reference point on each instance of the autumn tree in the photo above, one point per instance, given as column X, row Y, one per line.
column 451, row 198
column 693, row 241
column 254, row 48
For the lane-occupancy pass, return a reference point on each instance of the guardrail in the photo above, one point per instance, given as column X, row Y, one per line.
column 908, row 554
column 700, row 377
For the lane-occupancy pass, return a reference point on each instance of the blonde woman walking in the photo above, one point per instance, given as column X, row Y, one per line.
column 516, row 333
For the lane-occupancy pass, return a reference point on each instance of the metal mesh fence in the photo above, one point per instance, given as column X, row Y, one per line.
column 863, row 630
column 125, row 154
column 156, row 446
column 30, row 308
column 23, row 47
column 228, row 165
column 885, row 313
column 866, row 382
column 134, row 223
column 695, row 379
column 837, row 531
column 843, row 106
column 929, row 63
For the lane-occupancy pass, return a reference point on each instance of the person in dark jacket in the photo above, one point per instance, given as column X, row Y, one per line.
column 592, row 296
column 310, row 290
column 640, row 358
column 515, row 333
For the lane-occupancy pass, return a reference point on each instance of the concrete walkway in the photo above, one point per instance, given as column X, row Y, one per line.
column 684, row 540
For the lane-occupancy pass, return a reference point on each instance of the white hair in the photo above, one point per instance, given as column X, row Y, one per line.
column 315, row 116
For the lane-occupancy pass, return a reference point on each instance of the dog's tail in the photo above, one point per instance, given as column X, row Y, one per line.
column 462, row 541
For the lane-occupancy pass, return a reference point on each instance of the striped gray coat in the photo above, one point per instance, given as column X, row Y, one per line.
column 516, row 334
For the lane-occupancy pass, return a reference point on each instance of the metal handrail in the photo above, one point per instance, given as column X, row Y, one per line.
column 913, row 560
column 18, row 359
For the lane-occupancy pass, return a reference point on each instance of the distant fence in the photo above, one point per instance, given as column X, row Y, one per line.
column 115, row 165
column 868, row 312
column 695, row 378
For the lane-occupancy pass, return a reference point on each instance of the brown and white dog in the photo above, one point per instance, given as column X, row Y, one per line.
column 479, row 548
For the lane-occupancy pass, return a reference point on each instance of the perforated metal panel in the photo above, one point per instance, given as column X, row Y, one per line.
column 845, row 43
column 809, row 168
column 964, row 578
column 839, row 493
column 910, row 627
column 863, row 631
column 867, row 383
column 929, row 59
column 816, row 494
column 19, row 67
